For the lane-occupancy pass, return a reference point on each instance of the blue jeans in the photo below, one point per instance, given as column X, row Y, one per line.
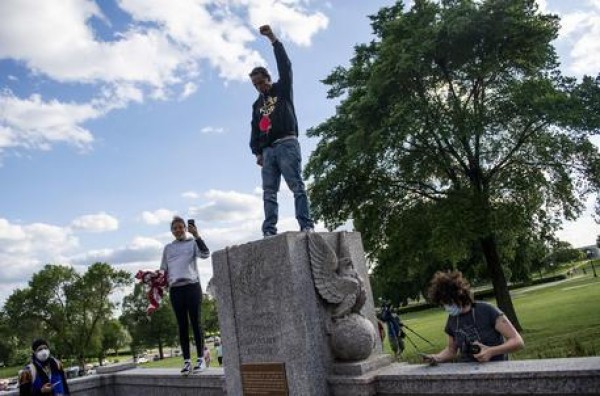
column 283, row 159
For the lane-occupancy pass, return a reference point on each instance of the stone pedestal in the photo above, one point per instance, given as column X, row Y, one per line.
column 270, row 312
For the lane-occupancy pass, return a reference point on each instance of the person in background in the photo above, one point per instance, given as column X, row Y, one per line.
column 381, row 331
column 206, row 356
column 477, row 331
column 274, row 139
column 219, row 348
column 394, row 328
column 44, row 375
column 179, row 261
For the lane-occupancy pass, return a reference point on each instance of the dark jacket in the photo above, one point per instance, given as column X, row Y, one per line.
column 33, row 377
column 277, row 105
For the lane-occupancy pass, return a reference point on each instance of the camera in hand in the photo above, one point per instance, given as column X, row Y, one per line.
column 191, row 222
column 473, row 349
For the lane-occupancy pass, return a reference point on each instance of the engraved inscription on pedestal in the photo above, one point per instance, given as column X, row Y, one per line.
column 264, row 379
column 255, row 279
column 258, row 339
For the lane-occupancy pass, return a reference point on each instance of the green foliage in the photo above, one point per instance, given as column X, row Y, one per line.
column 456, row 125
column 563, row 252
column 160, row 329
column 210, row 319
column 65, row 307
column 114, row 337
column 8, row 343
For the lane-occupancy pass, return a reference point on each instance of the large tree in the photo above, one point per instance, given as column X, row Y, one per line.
column 114, row 337
column 66, row 307
column 158, row 330
column 210, row 319
column 459, row 104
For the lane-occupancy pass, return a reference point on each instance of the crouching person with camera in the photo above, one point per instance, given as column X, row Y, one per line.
column 477, row 331
column 179, row 261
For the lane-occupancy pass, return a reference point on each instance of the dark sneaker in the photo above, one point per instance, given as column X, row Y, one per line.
column 269, row 235
column 200, row 366
column 308, row 229
column 187, row 366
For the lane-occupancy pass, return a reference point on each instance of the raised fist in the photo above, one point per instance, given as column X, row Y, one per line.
column 265, row 30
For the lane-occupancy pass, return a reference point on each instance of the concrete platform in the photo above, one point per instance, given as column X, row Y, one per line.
column 551, row 377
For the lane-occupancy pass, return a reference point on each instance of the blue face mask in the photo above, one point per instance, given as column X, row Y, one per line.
column 452, row 309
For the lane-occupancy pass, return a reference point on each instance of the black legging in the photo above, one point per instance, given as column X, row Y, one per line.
column 186, row 300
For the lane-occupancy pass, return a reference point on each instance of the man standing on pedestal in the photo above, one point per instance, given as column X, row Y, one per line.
column 274, row 139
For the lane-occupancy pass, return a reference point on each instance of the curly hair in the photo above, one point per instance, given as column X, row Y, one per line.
column 450, row 287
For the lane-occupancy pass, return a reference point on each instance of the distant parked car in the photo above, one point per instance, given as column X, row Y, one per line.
column 141, row 359
column 12, row 384
column 72, row 372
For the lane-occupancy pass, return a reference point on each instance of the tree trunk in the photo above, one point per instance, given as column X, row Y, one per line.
column 490, row 251
column 81, row 362
column 160, row 349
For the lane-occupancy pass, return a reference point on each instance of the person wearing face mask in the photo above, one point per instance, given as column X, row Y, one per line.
column 274, row 139
column 477, row 331
column 179, row 262
column 44, row 375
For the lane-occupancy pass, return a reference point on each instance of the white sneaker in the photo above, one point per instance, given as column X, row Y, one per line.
column 186, row 367
column 200, row 366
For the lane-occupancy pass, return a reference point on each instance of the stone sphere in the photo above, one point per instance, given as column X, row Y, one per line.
column 352, row 338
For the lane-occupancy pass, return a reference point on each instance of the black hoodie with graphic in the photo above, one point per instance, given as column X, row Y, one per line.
column 273, row 114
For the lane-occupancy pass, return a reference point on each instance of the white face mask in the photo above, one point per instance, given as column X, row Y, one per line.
column 452, row 309
column 43, row 354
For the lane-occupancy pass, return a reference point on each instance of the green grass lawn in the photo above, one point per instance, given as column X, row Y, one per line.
column 177, row 362
column 7, row 372
column 559, row 320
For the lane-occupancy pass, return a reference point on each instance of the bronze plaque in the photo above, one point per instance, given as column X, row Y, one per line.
column 264, row 379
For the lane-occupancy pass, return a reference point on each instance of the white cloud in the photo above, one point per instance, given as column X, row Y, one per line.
column 36, row 124
column 24, row 249
column 141, row 249
column 583, row 231
column 543, row 6
column 162, row 50
column 190, row 195
column 212, row 130
column 294, row 23
column 228, row 206
column 100, row 222
column 158, row 216
column 164, row 43
column 188, row 89
column 54, row 38
column 582, row 31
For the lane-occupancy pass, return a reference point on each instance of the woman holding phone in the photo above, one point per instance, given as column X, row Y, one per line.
column 179, row 261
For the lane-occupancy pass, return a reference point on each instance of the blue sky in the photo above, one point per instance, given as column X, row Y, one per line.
column 117, row 114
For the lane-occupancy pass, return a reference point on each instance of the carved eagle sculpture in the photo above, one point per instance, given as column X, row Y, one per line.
column 336, row 280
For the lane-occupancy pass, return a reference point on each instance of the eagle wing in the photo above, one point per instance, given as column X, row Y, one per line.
column 332, row 287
